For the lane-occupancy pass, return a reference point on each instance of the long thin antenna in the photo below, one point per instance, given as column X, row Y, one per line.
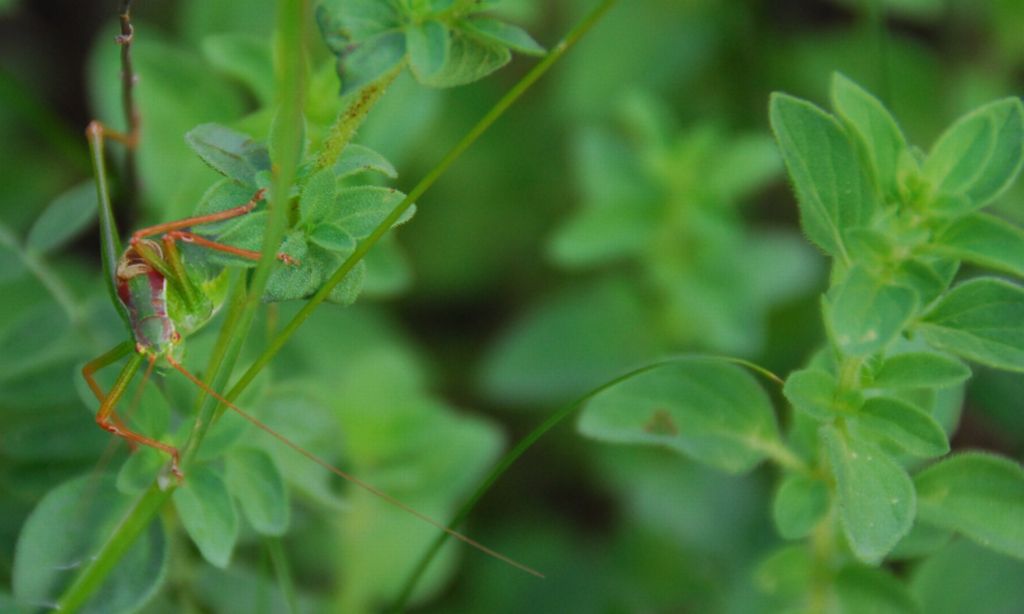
column 349, row 477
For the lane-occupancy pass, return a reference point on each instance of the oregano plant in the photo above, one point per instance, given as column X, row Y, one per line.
column 865, row 469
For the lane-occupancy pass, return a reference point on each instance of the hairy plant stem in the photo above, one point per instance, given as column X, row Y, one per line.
column 292, row 19
column 352, row 116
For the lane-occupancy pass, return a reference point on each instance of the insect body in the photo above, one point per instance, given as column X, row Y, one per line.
column 164, row 300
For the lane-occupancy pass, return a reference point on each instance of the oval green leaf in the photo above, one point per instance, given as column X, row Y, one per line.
column 256, row 483
column 865, row 314
column 875, row 495
column 908, row 427
column 208, row 515
column 979, row 495
column 799, row 504
column 979, row 156
column 710, row 410
column 832, row 190
column 919, row 370
column 982, row 320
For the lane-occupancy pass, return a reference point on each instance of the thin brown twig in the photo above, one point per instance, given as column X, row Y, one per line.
column 130, row 108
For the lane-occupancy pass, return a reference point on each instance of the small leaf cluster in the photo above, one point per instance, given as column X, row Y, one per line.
column 898, row 223
column 666, row 203
column 884, row 394
column 444, row 42
column 333, row 209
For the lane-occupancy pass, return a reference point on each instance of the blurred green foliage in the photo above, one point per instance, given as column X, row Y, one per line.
column 631, row 207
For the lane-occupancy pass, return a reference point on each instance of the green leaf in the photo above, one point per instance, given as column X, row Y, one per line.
column 599, row 234
column 332, row 237
column 139, row 471
column 359, row 159
column 963, row 577
column 905, row 425
column 880, row 138
column 979, row 156
column 982, row 320
column 569, row 343
column 979, row 495
column 710, row 410
column 816, row 392
column 68, row 527
column 428, row 48
column 984, row 240
column 245, row 57
column 357, row 210
column 230, row 153
column 929, row 278
column 919, row 370
column 874, row 494
column 831, row 188
column 67, row 216
column 443, row 57
column 800, row 503
column 863, row 589
column 256, row 483
column 502, row 33
column 366, row 37
column 864, row 314
column 208, row 515
column 786, row 572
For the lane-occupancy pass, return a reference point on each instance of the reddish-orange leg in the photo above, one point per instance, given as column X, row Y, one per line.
column 173, row 231
column 105, row 417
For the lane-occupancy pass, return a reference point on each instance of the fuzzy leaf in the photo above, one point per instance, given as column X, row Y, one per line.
column 984, row 240
column 799, row 504
column 868, row 120
column 979, row 156
column 67, row 216
column 502, row 33
column 259, row 488
column 979, row 495
column 964, row 577
column 864, row 589
column 981, row 320
column 332, row 237
column 816, row 393
column 68, row 527
column 443, row 57
column 710, row 410
column 919, row 370
column 363, row 208
column 875, row 495
column 832, row 190
column 230, row 153
column 358, row 159
column 208, row 515
column 903, row 424
column 865, row 315
column 366, row 37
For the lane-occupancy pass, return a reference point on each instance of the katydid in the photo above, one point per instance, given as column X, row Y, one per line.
column 163, row 299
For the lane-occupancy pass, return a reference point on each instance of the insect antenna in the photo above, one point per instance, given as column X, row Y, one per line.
column 349, row 477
